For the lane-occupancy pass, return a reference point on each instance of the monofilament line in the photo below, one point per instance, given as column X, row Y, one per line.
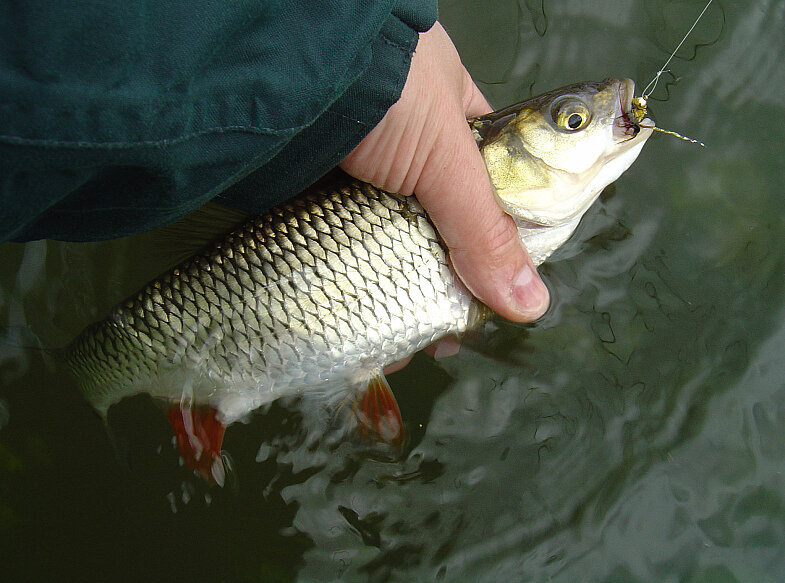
column 653, row 82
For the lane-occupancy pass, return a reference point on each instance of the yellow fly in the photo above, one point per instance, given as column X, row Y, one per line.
column 640, row 104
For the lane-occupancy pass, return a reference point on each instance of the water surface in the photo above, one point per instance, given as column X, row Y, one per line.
column 636, row 433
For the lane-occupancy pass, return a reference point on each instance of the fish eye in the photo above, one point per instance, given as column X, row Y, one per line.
column 570, row 114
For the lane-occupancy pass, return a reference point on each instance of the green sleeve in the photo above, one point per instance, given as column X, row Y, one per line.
column 122, row 116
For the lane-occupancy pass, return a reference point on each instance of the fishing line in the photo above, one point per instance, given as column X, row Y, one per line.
column 640, row 104
column 656, row 78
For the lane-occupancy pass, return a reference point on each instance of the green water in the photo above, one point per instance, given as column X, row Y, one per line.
column 635, row 434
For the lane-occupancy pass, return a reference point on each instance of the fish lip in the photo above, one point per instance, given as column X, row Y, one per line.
column 626, row 93
column 625, row 127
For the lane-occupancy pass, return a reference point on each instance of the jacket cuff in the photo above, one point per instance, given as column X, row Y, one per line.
column 346, row 122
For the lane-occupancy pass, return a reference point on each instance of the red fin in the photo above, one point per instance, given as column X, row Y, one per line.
column 377, row 413
column 199, row 436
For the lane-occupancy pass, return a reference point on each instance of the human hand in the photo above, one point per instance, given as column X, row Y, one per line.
column 435, row 156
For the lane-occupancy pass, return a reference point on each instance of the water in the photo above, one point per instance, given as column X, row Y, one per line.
column 634, row 434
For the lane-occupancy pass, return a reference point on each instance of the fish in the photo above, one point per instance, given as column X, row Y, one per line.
column 317, row 295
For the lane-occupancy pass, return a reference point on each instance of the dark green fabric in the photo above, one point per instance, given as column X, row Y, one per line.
column 118, row 117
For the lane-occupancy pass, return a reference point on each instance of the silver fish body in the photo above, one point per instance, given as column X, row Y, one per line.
column 321, row 292
column 316, row 293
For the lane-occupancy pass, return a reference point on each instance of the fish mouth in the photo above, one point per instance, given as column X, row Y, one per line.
column 625, row 127
column 626, row 93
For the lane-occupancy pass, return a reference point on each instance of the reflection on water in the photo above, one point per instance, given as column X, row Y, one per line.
column 633, row 434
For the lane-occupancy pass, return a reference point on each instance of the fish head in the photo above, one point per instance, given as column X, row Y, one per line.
column 550, row 157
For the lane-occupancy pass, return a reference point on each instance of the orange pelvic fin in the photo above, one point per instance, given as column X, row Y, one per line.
column 377, row 414
column 199, row 436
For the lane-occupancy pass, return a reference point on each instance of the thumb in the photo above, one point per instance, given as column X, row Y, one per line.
column 483, row 241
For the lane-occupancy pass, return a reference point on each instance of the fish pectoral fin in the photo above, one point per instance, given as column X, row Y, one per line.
column 199, row 435
column 375, row 414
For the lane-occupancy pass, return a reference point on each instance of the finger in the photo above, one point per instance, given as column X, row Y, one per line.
column 398, row 365
column 483, row 241
column 447, row 346
column 474, row 102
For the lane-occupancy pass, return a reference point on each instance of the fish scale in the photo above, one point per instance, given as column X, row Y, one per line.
column 327, row 280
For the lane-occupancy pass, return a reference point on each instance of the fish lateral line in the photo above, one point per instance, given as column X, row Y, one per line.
column 640, row 104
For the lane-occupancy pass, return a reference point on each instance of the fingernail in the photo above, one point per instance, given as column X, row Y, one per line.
column 529, row 293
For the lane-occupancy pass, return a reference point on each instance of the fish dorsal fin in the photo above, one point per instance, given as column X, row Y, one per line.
column 203, row 227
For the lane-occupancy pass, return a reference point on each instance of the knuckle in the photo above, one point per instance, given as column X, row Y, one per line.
column 501, row 239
